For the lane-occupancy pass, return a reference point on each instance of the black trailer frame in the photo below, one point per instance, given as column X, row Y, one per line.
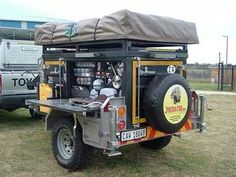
column 113, row 50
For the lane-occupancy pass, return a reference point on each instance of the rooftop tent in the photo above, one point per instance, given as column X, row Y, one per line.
column 17, row 34
column 123, row 24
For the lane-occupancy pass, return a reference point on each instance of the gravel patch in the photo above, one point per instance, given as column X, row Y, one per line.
column 203, row 92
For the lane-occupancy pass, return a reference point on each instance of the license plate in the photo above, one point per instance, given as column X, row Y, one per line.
column 134, row 134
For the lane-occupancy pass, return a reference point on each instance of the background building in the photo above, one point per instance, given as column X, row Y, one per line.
column 18, row 29
column 22, row 29
column 4, row 23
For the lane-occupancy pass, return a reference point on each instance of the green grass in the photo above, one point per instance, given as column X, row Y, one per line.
column 203, row 86
column 26, row 150
column 196, row 85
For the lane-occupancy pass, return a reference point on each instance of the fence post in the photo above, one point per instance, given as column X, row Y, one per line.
column 218, row 83
column 222, row 77
column 232, row 78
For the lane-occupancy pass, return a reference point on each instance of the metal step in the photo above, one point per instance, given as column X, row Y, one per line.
column 112, row 153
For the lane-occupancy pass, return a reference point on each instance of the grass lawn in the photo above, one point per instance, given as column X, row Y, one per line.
column 203, row 86
column 194, row 85
column 26, row 150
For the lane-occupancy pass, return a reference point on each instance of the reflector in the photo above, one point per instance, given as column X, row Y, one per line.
column 121, row 112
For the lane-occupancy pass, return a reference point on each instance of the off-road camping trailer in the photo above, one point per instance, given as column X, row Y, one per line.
column 115, row 81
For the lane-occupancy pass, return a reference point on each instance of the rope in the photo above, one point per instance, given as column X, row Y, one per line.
column 95, row 29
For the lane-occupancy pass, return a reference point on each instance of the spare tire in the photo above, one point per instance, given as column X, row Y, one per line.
column 166, row 103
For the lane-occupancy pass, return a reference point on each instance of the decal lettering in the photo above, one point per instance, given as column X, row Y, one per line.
column 14, row 80
column 171, row 69
column 21, row 81
column 175, row 109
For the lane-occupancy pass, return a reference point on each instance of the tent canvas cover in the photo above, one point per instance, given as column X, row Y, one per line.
column 123, row 24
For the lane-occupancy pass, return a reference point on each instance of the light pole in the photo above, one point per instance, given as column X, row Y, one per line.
column 227, row 37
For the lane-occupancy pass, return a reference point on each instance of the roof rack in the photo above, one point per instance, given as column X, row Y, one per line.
column 114, row 45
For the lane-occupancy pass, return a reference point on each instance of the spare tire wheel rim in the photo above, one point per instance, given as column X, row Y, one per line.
column 175, row 104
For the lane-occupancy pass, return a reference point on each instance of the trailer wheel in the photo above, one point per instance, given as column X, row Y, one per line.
column 34, row 114
column 70, row 152
column 167, row 103
column 156, row 144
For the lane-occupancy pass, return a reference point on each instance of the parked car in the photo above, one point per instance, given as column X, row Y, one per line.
column 18, row 66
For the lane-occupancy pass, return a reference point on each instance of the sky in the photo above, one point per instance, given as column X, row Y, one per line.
column 213, row 18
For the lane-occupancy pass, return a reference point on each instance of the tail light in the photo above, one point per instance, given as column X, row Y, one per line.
column 121, row 125
column 0, row 83
column 191, row 114
column 121, row 118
